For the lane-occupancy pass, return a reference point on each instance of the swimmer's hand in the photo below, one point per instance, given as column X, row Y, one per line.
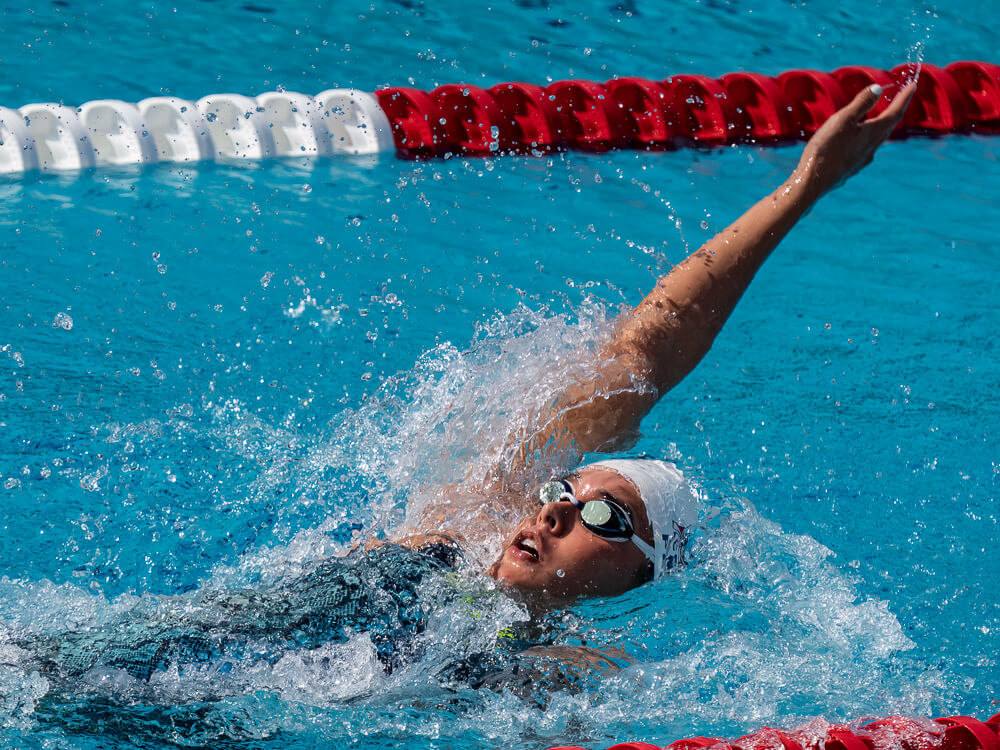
column 846, row 143
column 583, row 658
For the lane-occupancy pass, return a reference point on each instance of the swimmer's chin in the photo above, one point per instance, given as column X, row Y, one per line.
column 529, row 592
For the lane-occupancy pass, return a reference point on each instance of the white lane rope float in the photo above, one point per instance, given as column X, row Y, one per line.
column 222, row 127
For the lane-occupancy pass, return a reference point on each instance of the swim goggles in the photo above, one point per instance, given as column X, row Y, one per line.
column 604, row 517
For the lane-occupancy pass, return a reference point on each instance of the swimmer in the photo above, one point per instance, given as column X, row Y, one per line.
column 608, row 527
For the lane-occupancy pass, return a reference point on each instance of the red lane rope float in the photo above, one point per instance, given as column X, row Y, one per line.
column 890, row 733
column 678, row 111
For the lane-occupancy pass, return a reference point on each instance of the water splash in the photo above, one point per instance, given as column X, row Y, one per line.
column 921, row 23
column 762, row 626
column 457, row 414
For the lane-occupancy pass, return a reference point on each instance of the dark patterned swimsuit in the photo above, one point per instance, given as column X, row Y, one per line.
column 373, row 591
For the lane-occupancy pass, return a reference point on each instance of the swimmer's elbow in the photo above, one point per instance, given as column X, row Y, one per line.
column 667, row 343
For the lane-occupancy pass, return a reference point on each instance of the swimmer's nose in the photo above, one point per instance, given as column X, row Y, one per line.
column 555, row 518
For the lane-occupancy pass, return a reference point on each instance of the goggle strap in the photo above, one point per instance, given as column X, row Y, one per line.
column 646, row 549
column 568, row 495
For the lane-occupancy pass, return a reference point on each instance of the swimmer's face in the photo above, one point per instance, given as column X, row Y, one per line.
column 553, row 553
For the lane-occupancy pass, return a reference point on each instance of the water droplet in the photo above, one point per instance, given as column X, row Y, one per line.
column 92, row 482
column 561, row 573
column 62, row 320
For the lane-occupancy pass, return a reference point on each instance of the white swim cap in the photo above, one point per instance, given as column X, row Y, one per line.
column 671, row 505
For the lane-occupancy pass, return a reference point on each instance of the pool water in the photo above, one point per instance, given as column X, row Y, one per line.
column 212, row 376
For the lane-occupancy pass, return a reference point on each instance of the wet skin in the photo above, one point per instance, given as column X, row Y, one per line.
column 590, row 564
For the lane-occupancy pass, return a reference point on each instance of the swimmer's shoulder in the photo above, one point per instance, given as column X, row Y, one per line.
column 444, row 548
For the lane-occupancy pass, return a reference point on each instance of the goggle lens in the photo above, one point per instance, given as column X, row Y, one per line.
column 596, row 513
column 551, row 492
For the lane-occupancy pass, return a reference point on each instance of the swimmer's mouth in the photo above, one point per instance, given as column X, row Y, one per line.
column 527, row 545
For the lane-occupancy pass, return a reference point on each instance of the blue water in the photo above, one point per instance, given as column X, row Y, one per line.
column 213, row 375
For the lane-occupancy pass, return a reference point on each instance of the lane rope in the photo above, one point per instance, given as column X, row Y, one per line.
column 508, row 118
column 890, row 733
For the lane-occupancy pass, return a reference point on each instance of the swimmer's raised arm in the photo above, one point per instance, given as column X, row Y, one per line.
column 669, row 332
column 674, row 326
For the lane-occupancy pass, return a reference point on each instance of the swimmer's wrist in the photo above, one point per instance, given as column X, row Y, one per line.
column 817, row 174
column 803, row 187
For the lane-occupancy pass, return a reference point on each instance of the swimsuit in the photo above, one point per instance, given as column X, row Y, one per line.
column 374, row 591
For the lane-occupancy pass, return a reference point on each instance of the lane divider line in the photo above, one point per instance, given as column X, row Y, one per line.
column 508, row 118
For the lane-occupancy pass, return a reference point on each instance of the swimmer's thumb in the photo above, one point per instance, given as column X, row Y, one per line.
column 866, row 99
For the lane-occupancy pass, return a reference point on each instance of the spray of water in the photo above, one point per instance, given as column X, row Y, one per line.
column 760, row 627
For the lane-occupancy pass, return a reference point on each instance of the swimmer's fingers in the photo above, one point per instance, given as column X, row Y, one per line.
column 878, row 129
column 895, row 111
column 862, row 104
